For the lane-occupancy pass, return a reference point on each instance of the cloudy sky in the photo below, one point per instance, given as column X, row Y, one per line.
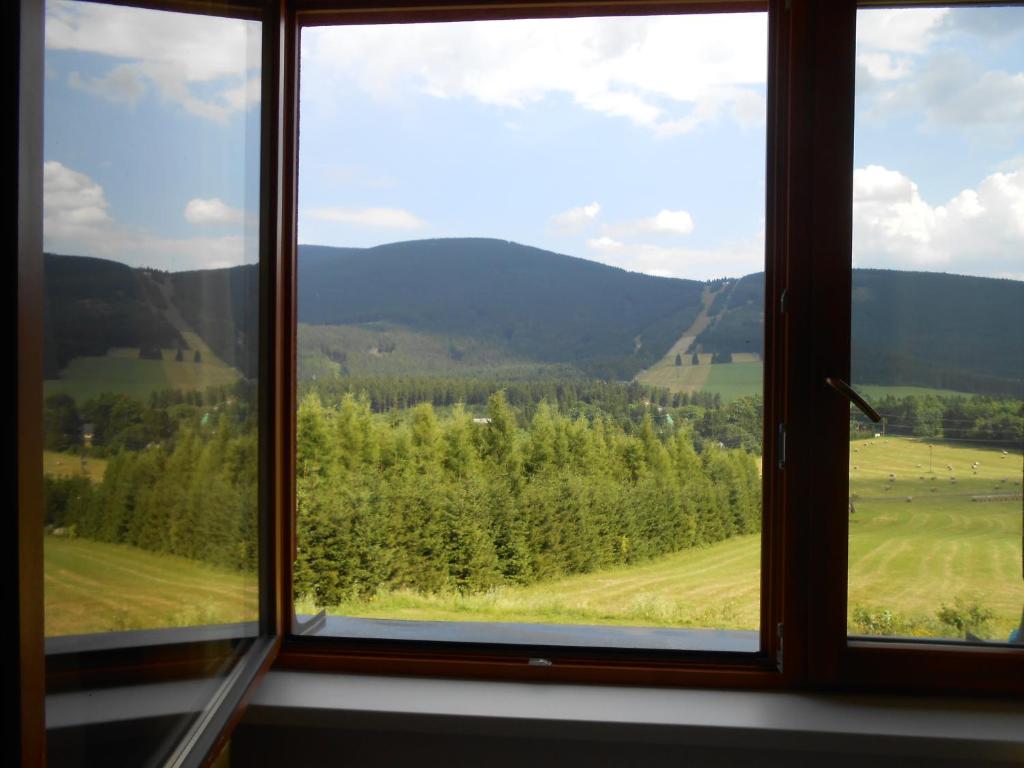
column 634, row 142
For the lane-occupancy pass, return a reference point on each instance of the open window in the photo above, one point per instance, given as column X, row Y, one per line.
column 148, row 314
column 530, row 332
column 270, row 395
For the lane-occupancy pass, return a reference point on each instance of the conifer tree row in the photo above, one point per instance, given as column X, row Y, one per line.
column 408, row 500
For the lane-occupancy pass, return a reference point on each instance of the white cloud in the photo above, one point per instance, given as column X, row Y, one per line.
column 575, row 220
column 736, row 258
column 377, row 218
column 979, row 231
column 76, row 222
column 882, row 66
column 72, row 202
column 213, row 211
column 664, row 222
column 950, row 89
column 904, row 30
column 121, row 85
column 670, row 74
column 207, row 65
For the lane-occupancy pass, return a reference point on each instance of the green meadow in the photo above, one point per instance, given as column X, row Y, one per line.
column 92, row 586
column 122, row 371
column 919, row 543
column 66, row 464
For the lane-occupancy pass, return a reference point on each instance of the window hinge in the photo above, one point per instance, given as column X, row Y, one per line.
column 784, row 301
column 778, row 653
column 781, row 447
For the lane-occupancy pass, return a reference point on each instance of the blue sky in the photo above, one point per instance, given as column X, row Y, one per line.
column 635, row 142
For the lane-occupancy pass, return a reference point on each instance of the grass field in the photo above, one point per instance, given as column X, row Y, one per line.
column 736, row 379
column 123, row 372
column 908, row 559
column 58, row 464
column 383, row 349
column 95, row 587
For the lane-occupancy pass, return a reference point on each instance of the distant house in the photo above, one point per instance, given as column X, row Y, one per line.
column 481, row 420
column 88, row 433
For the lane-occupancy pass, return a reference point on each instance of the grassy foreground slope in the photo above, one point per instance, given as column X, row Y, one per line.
column 92, row 586
column 909, row 558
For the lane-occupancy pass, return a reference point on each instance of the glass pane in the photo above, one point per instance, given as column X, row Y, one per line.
column 530, row 331
column 151, row 192
column 938, row 325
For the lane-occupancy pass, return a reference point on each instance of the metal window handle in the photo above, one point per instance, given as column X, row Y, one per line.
column 850, row 394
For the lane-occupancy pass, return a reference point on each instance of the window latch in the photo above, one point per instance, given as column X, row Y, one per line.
column 851, row 394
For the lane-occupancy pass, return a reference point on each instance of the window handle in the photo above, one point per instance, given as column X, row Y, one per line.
column 850, row 394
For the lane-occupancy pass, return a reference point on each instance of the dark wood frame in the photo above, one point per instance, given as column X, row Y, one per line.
column 807, row 319
column 24, row 671
column 761, row 670
column 32, row 675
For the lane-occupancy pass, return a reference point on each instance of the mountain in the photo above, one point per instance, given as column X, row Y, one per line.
column 925, row 329
column 532, row 303
column 455, row 304
column 93, row 305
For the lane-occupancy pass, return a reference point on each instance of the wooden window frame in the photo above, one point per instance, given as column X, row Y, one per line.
column 170, row 655
column 811, row 66
column 779, row 564
column 809, row 136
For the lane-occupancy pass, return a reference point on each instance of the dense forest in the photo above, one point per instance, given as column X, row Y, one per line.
column 435, row 485
column 189, row 491
column 554, row 478
column 535, row 304
column 456, row 503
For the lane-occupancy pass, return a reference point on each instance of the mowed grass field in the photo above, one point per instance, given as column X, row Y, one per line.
column 909, row 558
column 91, row 586
column 122, row 371
column 60, row 464
column 918, row 540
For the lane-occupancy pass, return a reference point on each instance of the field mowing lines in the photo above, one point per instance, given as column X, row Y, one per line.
column 157, row 574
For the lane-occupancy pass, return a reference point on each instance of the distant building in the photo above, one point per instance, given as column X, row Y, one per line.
column 88, row 433
column 481, row 420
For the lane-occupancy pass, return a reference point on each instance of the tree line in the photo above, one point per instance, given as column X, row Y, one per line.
column 193, row 495
column 978, row 419
column 410, row 500
column 423, row 498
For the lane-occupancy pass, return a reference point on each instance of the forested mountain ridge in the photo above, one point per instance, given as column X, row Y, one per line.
column 535, row 304
column 484, row 299
column 926, row 329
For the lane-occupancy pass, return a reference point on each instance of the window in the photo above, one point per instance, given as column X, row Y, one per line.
column 154, row 611
column 530, row 331
column 837, row 190
column 938, row 322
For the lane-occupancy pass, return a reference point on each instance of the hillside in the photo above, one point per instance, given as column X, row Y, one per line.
column 93, row 305
column 466, row 306
column 922, row 329
column 533, row 304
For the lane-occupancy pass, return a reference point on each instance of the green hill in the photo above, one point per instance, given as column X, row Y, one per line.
column 460, row 306
column 93, row 305
column 920, row 329
column 533, row 304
